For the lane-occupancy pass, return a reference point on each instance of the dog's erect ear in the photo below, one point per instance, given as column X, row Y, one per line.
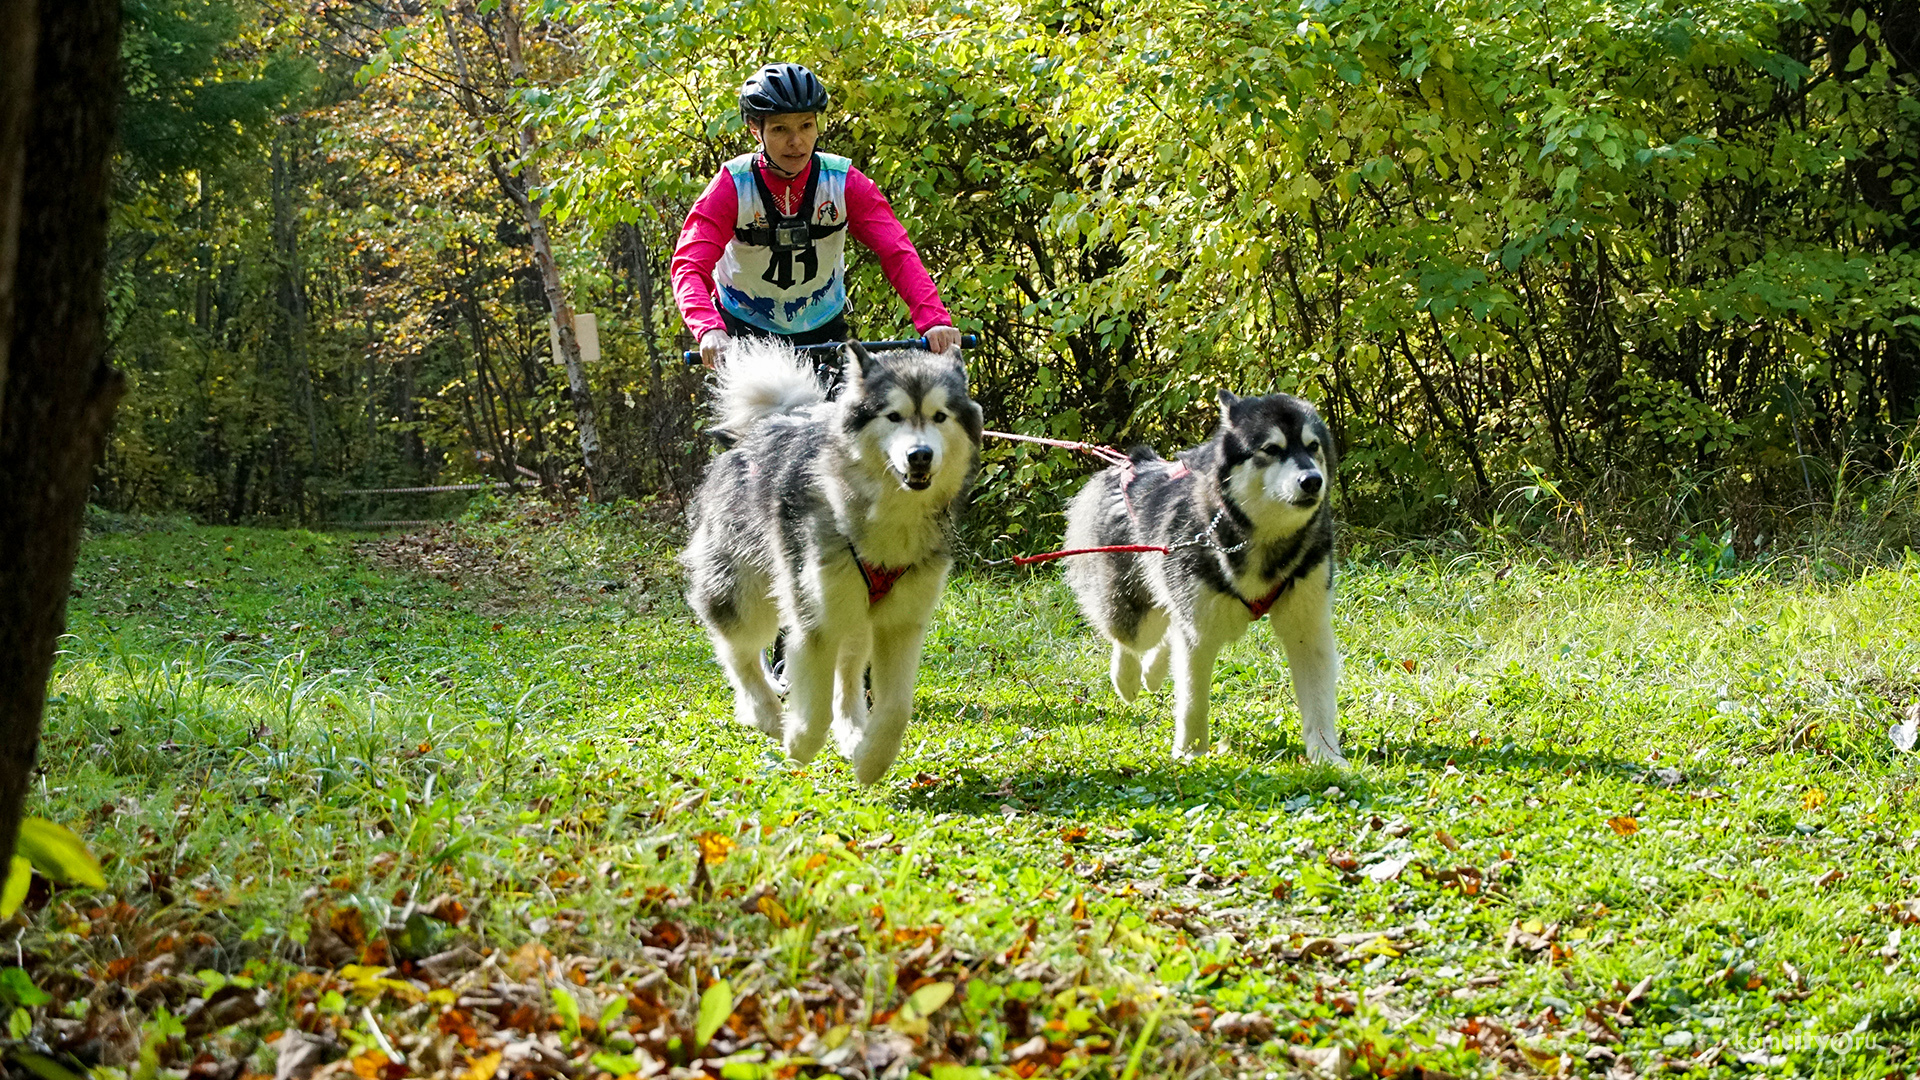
column 858, row 362
column 1227, row 402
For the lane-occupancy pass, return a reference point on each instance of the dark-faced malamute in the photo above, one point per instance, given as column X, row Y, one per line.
column 830, row 521
column 1249, row 521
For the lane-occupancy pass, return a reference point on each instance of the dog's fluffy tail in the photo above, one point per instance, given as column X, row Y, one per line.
column 761, row 378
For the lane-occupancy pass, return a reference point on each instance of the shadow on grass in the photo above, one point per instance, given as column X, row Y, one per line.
column 1508, row 758
column 1267, row 770
column 1069, row 792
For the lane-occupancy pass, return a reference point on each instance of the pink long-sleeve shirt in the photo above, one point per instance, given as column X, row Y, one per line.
column 870, row 220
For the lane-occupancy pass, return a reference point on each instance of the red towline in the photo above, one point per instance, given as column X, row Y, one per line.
column 1105, row 453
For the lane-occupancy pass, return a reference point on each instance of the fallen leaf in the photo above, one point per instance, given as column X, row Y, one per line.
column 716, row 1004
column 528, row 961
column 1379, row 945
column 1032, row 1048
column 1325, row 1061
column 300, row 1054
column 1624, row 825
column 1389, row 869
column 1639, row 991
column 483, row 1067
column 1907, row 732
column 716, row 846
column 1829, row 878
column 1446, row 840
column 447, row 909
column 1074, row 834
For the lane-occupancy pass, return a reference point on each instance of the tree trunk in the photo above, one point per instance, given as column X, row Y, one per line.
column 19, row 25
column 520, row 185
column 56, row 391
column 292, row 291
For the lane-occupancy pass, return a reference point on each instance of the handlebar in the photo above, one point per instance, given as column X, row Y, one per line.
column 967, row 341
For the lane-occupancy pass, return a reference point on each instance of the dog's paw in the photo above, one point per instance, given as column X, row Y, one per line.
column 870, row 763
column 1191, row 749
column 747, row 714
column 760, row 713
column 1322, row 754
column 802, row 741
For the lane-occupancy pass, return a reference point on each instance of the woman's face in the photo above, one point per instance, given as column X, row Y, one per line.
column 787, row 139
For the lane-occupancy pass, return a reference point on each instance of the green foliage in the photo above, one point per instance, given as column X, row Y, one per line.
column 716, row 1004
column 201, row 85
column 1600, row 242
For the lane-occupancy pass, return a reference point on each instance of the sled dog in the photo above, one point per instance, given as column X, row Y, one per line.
column 830, row 521
column 1249, row 521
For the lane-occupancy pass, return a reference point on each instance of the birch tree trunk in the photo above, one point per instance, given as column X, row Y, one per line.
column 520, row 185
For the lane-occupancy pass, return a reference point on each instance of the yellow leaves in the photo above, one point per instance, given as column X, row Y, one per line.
column 56, row 852
column 372, row 983
column 1546, row 1062
column 1813, row 799
column 715, row 846
column 921, row 1004
column 716, row 1005
column 59, row 853
column 775, row 912
column 483, row 1067
column 19, row 878
column 1623, row 825
column 528, row 960
column 1380, row 945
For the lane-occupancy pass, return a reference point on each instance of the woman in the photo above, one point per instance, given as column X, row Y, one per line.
column 763, row 251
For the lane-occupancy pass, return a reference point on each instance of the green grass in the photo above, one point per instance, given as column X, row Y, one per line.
column 281, row 744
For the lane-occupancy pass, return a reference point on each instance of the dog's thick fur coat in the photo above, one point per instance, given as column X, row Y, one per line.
column 1248, row 517
column 831, row 521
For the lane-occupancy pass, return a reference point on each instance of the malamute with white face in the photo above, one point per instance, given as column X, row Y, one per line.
column 830, row 521
column 1249, row 521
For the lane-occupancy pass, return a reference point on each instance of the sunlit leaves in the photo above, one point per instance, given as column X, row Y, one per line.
column 716, row 1004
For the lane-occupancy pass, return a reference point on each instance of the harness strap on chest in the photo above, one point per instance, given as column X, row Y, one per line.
column 1259, row 608
column 880, row 579
column 761, row 235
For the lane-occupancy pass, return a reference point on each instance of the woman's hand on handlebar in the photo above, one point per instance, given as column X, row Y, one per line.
column 713, row 345
column 942, row 338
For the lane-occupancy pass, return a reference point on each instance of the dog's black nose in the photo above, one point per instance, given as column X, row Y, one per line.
column 1310, row 483
column 920, row 457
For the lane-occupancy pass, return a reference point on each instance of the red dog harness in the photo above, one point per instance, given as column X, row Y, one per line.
column 1259, row 608
column 880, row 579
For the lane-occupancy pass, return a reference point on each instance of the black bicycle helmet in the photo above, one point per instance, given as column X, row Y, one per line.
column 781, row 88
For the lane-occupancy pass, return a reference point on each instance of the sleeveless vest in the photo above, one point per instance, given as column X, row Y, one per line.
column 783, row 274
